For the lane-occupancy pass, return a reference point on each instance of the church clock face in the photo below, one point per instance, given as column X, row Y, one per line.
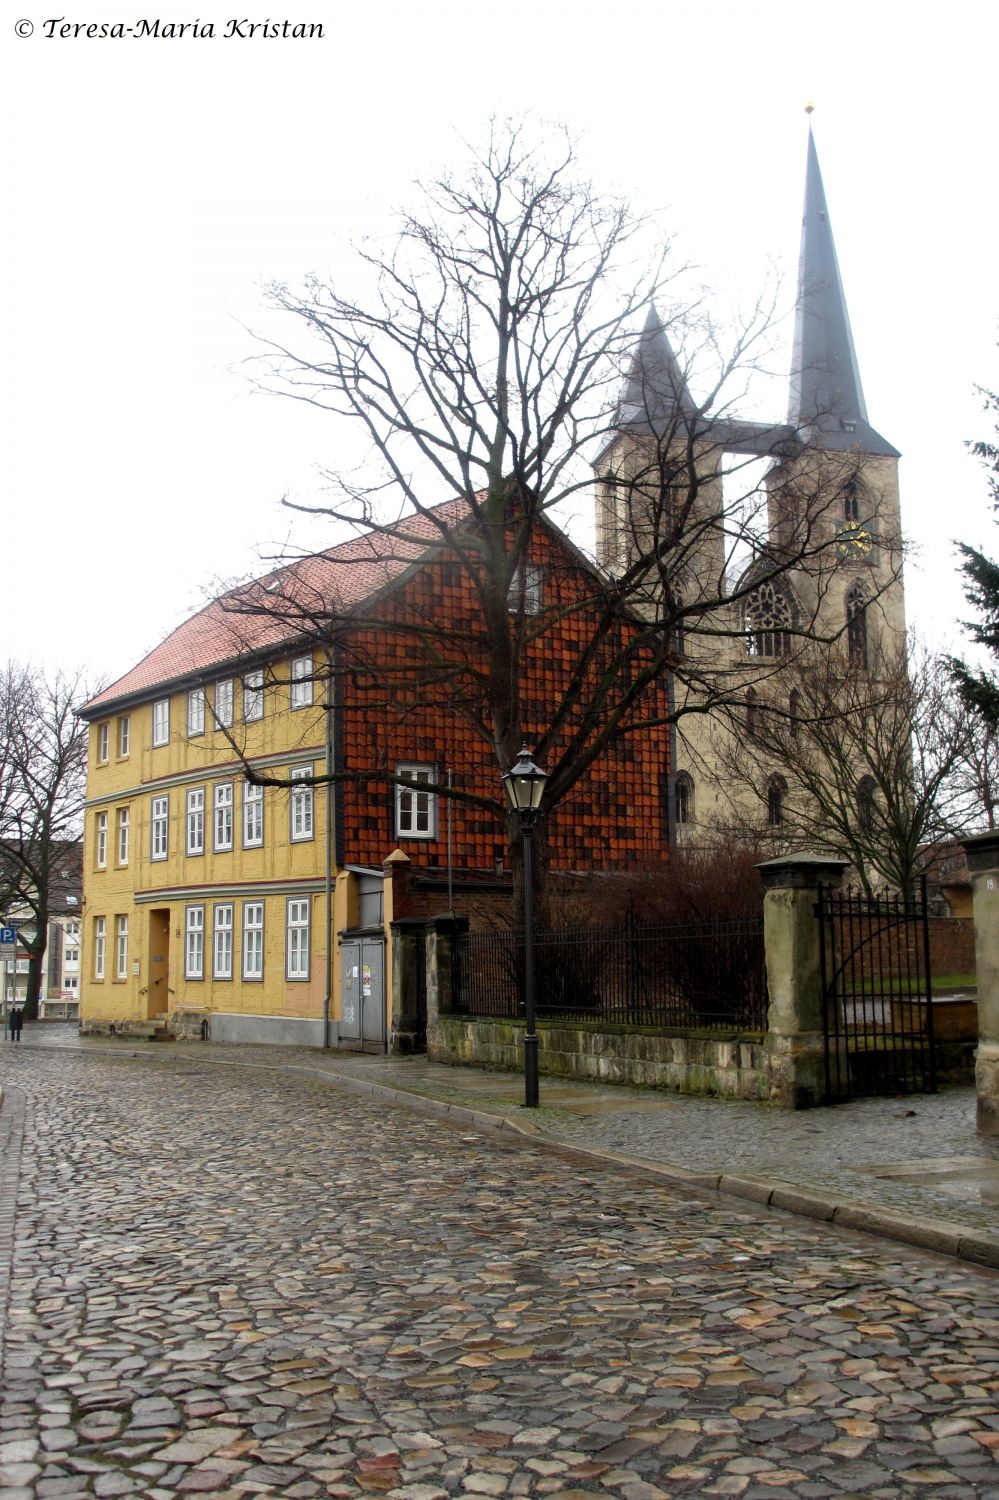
column 854, row 542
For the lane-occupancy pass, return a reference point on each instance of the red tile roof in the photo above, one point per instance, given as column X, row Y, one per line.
column 241, row 623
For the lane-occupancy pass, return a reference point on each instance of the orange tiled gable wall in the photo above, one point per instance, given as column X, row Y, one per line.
column 615, row 817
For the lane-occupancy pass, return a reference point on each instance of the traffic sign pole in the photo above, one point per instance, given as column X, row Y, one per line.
column 8, row 952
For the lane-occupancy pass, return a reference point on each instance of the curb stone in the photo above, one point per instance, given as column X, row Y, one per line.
column 936, row 1235
column 11, row 1137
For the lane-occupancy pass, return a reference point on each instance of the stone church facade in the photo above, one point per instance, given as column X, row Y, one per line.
column 776, row 554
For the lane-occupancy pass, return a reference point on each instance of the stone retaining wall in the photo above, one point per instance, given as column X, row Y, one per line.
column 729, row 1064
column 134, row 1031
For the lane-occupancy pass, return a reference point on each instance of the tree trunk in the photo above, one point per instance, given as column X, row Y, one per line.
column 34, row 989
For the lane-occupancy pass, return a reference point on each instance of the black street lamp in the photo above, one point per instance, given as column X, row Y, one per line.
column 525, row 783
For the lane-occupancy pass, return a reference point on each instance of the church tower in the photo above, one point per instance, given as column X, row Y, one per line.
column 827, row 409
column 803, row 568
column 850, row 467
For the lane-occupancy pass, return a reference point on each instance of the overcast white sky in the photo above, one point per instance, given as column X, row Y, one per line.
column 151, row 186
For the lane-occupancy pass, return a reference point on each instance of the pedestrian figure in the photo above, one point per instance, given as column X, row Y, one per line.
column 16, row 1022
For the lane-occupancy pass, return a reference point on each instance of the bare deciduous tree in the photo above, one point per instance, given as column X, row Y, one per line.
column 871, row 765
column 482, row 367
column 973, row 790
column 43, row 771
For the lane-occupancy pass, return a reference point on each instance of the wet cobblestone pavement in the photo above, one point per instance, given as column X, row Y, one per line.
column 919, row 1156
column 232, row 1281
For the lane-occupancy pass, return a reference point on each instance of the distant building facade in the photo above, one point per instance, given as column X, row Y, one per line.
column 60, row 993
column 210, row 829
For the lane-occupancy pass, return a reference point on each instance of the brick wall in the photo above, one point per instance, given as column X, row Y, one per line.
column 394, row 714
column 899, row 950
column 952, row 945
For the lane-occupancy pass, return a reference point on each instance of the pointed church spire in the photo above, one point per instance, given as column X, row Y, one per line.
column 656, row 388
column 827, row 399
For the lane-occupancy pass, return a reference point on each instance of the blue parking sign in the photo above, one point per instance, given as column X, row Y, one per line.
column 8, row 937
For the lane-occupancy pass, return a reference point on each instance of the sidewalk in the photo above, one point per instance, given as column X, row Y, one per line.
column 908, row 1169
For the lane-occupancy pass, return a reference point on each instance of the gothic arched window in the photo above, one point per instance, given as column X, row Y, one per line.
column 752, row 722
column 851, row 502
column 683, row 798
column 856, row 626
column 776, row 792
column 768, row 620
column 866, row 790
column 793, row 713
column 674, row 620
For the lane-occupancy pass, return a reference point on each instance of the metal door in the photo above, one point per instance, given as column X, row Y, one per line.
column 373, row 994
column 362, row 994
column 350, row 993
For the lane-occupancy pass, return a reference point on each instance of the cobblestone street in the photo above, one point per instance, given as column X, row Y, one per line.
column 226, row 1282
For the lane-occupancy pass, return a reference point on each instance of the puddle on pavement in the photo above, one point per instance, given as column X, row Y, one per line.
column 970, row 1177
column 495, row 1085
column 593, row 1104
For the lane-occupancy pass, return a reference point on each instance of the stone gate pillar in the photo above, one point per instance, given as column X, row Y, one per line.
column 983, row 862
column 795, row 1041
column 440, row 943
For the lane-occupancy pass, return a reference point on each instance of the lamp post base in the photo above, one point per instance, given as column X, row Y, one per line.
column 531, row 1072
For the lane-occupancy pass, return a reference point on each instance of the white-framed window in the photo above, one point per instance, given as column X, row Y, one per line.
column 72, row 982
column 101, row 840
column 253, row 940
column 159, row 818
column 253, row 816
column 196, row 712
column 124, row 734
column 121, row 947
column 161, row 722
column 301, row 806
column 297, row 945
column 223, row 701
column 196, row 820
column 103, row 741
column 222, row 941
column 124, row 825
column 526, row 589
column 72, row 956
column 100, row 945
column 301, row 682
column 253, row 697
column 223, row 815
column 415, row 807
column 194, row 943
column 72, row 931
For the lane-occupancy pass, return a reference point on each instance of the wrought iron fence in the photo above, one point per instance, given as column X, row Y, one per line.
column 690, row 976
column 877, row 1006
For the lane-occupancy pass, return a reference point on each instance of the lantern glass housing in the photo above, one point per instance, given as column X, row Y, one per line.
column 525, row 783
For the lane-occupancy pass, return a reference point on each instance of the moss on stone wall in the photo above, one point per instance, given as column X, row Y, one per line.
column 728, row 1064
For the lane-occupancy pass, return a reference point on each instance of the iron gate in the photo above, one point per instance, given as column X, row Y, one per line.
column 877, row 1012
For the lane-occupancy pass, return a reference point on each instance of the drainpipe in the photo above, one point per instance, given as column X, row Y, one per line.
column 328, row 861
column 450, row 875
column 671, row 770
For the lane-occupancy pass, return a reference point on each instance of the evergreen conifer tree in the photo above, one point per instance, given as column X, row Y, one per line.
column 979, row 687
